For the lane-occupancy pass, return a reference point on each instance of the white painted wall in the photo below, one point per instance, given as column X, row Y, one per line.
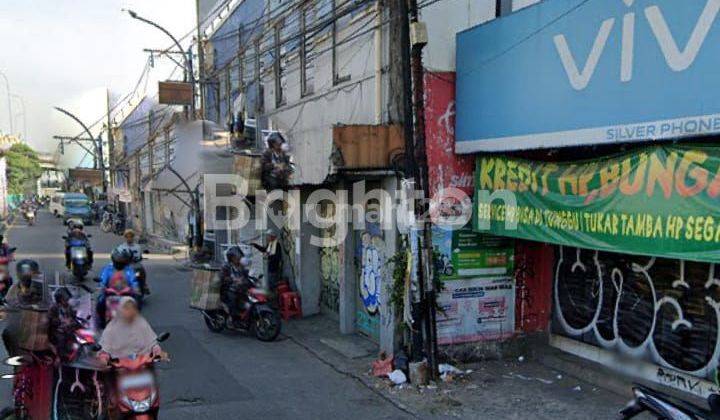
column 308, row 121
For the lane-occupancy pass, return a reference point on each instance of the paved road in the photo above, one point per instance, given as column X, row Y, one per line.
column 216, row 376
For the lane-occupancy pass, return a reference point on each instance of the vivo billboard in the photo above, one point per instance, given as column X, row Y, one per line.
column 573, row 72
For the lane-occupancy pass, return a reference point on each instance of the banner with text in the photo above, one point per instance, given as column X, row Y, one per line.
column 661, row 200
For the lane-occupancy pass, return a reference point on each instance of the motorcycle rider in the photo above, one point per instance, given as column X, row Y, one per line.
column 77, row 234
column 136, row 256
column 118, row 270
column 62, row 324
column 129, row 334
column 4, row 248
column 234, row 281
column 29, row 292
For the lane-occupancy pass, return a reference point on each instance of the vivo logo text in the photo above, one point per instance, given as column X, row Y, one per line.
column 678, row 59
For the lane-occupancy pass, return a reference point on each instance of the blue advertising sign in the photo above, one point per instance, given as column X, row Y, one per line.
column 573, row 72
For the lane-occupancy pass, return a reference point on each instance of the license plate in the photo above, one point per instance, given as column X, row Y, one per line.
column 141, row 380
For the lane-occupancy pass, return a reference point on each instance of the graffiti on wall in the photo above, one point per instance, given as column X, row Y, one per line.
column 372, row 264
column 659, row 310
column 370, row 257
column 330, row 263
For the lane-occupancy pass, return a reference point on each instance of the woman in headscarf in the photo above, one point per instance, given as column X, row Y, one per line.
column 129, row 333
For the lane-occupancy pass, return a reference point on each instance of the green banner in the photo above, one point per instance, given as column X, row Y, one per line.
column 462, row 253
column 660, row 200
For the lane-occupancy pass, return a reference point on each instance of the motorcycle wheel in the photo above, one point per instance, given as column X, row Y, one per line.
column 214, row 321
column 266, row 325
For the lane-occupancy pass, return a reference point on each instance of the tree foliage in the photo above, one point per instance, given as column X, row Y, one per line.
column 23, row 168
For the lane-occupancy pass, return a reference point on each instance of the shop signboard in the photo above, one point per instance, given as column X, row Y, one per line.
column 481, row 309
column 463, row 253
column 577, row 72
column 657, row 200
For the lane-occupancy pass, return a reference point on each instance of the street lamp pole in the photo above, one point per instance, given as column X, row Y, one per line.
column 187, row 58
column 9, row 101
column 24, row 115
column 99, row 158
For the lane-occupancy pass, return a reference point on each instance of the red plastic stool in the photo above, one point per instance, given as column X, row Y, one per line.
column 283, row 287
column 290, row 306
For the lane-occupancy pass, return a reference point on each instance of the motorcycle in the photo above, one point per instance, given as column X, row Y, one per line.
column 141, row 274
column 79, row 257
column 6, row 279
column 259, row 318
column 112, row 300
column 137, row 390
column 106, row 225
column 29, row 215
column 665, row 407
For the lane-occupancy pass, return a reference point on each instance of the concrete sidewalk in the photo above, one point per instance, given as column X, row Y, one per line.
column 503, row 389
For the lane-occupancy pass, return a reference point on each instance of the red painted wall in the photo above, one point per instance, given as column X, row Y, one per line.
column 533, row 284
column 446, row 169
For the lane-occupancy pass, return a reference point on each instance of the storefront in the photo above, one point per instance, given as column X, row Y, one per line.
column 578, row 153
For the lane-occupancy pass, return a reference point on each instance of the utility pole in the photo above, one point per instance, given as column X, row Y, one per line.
column 414, row 39
column 187, row 57
column 201, row 59
column 111, row 140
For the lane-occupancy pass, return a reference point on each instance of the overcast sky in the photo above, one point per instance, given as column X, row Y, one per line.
column 66, row 52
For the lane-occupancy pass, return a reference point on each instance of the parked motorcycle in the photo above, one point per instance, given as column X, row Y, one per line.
column 665, row 407
column 137, row 390
column 259, row 318
column 79, row 257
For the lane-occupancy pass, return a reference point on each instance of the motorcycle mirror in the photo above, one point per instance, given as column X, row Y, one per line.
column 64, row 237
column 89, row 236
column 163, row 336
column 146, row 251
column 14, row 361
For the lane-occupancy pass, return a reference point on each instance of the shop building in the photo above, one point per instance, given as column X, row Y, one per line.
column 593, row 130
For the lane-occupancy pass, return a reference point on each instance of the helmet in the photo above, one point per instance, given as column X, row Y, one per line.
column 26, row 269
column 62, row 295
column 120, row 258
column 275, row 137
column 234, row 253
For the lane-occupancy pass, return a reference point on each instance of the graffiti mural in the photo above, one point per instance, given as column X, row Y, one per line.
column 370, row 257
column 330, row 263
column 372, row 264
column 659, row 310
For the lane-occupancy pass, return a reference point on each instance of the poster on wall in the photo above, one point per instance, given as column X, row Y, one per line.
column 463, row 253
column 657, row 200
column 476, row 310
column 445, row 168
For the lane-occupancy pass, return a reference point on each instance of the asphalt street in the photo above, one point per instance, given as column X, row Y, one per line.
column 214, row 376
